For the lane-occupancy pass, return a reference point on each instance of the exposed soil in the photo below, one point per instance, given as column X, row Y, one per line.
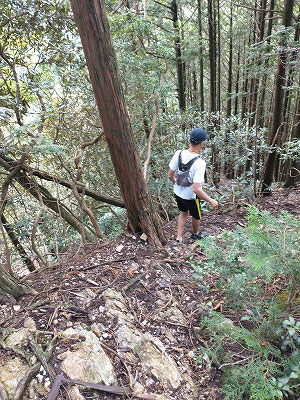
column 138, row 269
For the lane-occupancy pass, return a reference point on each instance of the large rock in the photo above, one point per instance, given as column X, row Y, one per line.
column 115, row 306
column 89, row 362
column 152, row 355
column 18, row 338
column 12, row 372
column 149, row 349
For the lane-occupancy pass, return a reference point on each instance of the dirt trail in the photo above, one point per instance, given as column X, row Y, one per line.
column 145, row 276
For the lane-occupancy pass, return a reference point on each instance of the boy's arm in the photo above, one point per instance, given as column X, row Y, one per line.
column 197, row 188
column 171, row 175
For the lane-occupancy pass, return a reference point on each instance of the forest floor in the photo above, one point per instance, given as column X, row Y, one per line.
column 141, row 273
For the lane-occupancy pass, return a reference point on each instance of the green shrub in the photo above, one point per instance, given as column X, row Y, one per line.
column 259, row 353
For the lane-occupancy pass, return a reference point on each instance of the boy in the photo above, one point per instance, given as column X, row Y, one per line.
column 187, row 174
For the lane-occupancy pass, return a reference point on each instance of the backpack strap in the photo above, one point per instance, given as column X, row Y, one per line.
column 184, row 167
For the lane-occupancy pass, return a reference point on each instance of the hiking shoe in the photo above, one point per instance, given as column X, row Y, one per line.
column 178, row 241
column 199, row 235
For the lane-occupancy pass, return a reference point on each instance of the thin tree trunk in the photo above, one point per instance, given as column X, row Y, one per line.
column 262, row 92
column 91, row 20
column 229, row 83
column 212, row 55
column 17, row 244
column 278, row 103
column 201, row 73
column 218, row 30
column 293, row 168
column 179, row 62
column 286, row 131
column 236, row 100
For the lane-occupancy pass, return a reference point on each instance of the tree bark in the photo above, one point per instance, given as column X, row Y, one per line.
column 293, row 169
column 179, row 63
column 262, row 91
column 218, row 53
column 91, row 20
column 236, row 100
column 201, row 73
column 17, row 244
column 10, row 285
column 212, row 55
column 229, row 82
column 278, row 102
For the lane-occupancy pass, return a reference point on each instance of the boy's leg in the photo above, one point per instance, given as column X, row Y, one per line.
column 195, row 225
column 181, row 224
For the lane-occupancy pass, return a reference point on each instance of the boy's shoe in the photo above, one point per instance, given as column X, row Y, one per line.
column 199, row 235
column 178, row 241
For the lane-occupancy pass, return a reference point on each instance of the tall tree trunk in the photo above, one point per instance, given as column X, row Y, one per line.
column 212, row 54
column 258, row 37
column 259, row 27
column 201, row 73
column 218, row 30
column 17, row 244
column 92, row 23
column 229, row 83
column 236, row 100
column 244, row 106
column 178, row 55
column 277, row 103
column 262, row 91
column 286, row 131
column 293, row 168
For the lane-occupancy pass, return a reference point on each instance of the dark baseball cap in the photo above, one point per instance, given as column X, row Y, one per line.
column 198, row 135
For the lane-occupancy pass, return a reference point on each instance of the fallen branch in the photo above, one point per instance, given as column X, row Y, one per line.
column 23, row 384
column 132, row 282
column 60, row 379
column 39, row 353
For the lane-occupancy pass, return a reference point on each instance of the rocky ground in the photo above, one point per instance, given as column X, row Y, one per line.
column 122, row 314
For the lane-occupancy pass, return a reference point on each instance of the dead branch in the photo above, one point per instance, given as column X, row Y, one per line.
column 154, row 118
column 87, row 210
column 132, row 282
column 103, row 388
column 23, row 384
column 39, row 353
column 33, row 232
column 122, row 2
column 7, row 163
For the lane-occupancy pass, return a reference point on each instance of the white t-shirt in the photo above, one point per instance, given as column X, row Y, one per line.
column 196, row 174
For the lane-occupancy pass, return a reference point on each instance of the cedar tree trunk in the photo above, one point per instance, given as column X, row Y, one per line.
column 92, row 23
column 280, row 82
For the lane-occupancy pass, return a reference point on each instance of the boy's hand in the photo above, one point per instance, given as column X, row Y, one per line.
column 214, row 204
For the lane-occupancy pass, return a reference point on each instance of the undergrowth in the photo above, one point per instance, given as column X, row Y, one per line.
column 257, row 272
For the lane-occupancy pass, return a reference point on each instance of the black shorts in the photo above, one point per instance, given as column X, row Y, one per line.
column 193, row 206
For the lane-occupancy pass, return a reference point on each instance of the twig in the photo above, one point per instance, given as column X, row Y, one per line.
column 133, row 281
column 104, row 262
column 39, row 353
column 234, row 363
column 23, row 384
column 156, row 98
column 60, row 379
